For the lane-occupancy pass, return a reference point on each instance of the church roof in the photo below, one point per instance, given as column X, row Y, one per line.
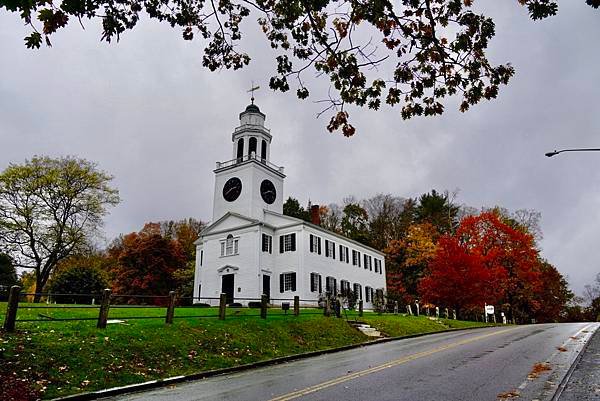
column 252, row 108
column 323, row 230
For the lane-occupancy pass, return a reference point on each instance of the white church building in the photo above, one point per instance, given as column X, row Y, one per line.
column 252, row 248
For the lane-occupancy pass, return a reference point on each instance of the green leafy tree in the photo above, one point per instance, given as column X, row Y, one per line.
column 292, row 208
column 77, row 279
column 355, row 223
column 8, row 276
column 49, row 210
column 422, row 51
column 437, row 209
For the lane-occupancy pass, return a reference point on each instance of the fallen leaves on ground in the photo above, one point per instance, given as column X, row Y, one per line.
column 538, row 369
column 508, row 394
column 562, row 349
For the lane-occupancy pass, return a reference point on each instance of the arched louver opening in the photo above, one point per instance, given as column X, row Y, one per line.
column 263, row 151
column 240, row 149
column 252, row 146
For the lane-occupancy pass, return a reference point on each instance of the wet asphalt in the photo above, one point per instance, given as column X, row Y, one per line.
column 473, row 365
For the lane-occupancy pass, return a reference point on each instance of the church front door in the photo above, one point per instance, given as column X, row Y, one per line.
column 227, row 286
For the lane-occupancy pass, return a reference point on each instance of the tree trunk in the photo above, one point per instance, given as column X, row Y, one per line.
column 39, row 287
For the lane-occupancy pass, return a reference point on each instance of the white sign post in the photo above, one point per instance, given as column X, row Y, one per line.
column 489, row 310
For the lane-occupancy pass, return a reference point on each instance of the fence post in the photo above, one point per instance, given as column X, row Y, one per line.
column 338, row 308
column 360, row 307
column 11, row 308
column 395, row 307
column 327, row 310
column 296, row 305
column 170, row 308
column 104, row 306
column 222, row 306
column 263, row 306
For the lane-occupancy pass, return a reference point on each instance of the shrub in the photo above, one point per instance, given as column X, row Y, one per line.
column 77, row 280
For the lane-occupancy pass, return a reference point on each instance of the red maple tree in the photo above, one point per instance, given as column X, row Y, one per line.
column 485, row 261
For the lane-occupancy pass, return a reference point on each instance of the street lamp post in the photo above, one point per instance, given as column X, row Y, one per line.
column 550, row 154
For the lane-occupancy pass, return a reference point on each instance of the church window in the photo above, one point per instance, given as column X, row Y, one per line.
column 368, row 294
column 329, row 249
column 357, row 291
column 315, row 282
column 287, row 243
column 267, row 243
column 331, row 286
column 355, row 258
column 287, row 282
column 240, row 149
column 252, row 146
column 368, row 263
column 343, row 253
column 229, row 246
column 378, row 266
column 315, row 244
column 345, row 288
column 263, row 150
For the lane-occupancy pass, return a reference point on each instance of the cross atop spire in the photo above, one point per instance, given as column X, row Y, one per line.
column 252, row 89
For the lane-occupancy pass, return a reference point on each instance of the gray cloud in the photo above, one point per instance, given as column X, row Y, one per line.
column 148, row 113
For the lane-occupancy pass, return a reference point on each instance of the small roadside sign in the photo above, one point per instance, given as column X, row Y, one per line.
column 489, row 309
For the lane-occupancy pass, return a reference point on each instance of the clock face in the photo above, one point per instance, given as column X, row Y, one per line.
column 268, row 192
column 232, row 189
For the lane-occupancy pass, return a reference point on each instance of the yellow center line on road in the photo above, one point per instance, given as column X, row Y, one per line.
column 400, row 361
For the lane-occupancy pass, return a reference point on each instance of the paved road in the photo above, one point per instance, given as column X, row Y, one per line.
column 469, row 365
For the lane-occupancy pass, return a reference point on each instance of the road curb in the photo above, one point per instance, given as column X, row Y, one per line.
column 135, row 388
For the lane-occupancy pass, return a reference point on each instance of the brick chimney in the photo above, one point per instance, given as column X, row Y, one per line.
column 315, row 217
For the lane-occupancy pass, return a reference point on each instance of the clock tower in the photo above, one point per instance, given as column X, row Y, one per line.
column 249, row 183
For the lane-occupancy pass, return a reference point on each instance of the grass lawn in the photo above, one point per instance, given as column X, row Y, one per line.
column 58, row 358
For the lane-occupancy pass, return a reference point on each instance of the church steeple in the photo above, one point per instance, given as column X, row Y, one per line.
column 249, row 183
column 251, row 137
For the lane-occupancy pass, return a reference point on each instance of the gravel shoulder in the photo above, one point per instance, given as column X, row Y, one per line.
column 584, row 383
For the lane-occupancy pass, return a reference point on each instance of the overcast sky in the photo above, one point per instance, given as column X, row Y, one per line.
column 147, row 112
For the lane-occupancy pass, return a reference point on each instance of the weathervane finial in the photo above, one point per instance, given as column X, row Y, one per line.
column 252, row 89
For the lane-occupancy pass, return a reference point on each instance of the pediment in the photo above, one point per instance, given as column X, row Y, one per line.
column 229, row 221
column 228, row 267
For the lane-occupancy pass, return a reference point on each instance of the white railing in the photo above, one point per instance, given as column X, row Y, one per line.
column 245, row 158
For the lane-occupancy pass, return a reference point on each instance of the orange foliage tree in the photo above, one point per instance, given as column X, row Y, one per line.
column 408, row 259
column 144, row 263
